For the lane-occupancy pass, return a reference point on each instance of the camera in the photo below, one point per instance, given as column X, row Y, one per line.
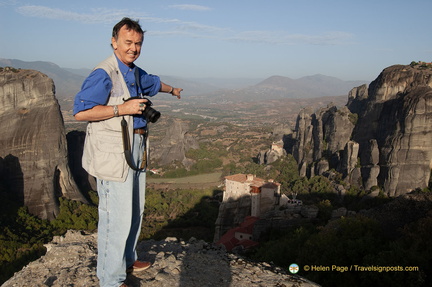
column 150, row 114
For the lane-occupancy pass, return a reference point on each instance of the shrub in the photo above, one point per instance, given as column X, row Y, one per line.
column 75, row 215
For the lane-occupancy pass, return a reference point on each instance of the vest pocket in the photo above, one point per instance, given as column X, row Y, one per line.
column 109, row 158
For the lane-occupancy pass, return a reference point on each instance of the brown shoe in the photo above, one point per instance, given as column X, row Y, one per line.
column 138, row 266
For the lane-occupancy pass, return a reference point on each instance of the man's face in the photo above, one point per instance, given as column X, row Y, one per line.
column 128, row 45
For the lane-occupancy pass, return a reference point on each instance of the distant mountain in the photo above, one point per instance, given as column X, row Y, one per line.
column 190, row 87
column 279, row 87
column 228, row 83
column 329, row 85
column 68, row 83
column 82, row 72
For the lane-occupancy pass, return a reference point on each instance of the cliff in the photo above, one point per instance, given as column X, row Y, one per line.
column 382, row 137
column 33, row 150
column 71, row 261
column 174, row 145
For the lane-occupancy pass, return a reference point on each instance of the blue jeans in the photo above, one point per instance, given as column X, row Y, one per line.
column 121, row 209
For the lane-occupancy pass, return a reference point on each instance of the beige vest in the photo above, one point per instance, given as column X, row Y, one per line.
column 103, row 155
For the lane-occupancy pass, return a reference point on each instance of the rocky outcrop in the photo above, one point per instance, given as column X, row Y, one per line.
column 174, row 145
column 71, row 261
column 383, row 137
column 33, row 149
column 321, row 138
column 273, row 154
column 75, row 146
column 398, row 115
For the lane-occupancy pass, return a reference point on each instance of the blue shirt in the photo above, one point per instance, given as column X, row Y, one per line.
column 97, row 86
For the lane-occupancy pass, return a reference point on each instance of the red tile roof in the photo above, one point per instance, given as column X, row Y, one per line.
column 244, row 178
column 229, row 239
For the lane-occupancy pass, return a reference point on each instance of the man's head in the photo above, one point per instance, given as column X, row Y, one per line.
column 127, row 38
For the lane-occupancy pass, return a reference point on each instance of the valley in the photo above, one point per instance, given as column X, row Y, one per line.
column 263, row 113
column 235, row 131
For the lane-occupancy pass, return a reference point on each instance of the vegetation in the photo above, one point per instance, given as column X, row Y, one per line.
column 23, row 235
column 75, row 215
column 421, row 65
column 180, row 213
column 353, row 117
column 21, row 239
column 11, row 69
column 354, row 241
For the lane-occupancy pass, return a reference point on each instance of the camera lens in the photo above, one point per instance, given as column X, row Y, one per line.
column 151, row 114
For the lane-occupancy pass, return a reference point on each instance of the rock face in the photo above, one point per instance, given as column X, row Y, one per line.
column 71, row 261
column 273, row 154
column 174, row 145
column 320, row 139
column 33, row 149
column 383, row 137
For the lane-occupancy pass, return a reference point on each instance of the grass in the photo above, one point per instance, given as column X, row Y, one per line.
column 201, row 178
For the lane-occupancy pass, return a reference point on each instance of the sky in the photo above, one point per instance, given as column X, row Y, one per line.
column 347, row 39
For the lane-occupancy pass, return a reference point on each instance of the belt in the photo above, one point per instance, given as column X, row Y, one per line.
column 140, row 131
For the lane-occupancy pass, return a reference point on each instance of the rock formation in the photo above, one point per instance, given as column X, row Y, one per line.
column 383, row 137
column 71, row 261
column 33, row 149
column 174, row 145
column 273, row 154
column 75, row 146
column 321, row 136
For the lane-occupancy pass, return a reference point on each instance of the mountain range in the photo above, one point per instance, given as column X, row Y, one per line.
column 279, row 87
column 68, row 82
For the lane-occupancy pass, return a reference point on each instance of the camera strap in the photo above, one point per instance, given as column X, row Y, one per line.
column 128, row 150
column 138, row 82
column 126, row 139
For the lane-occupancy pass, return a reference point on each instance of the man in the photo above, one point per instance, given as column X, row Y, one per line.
column 121, row 186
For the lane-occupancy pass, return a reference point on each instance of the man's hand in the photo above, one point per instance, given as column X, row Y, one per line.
column 132, row 107
column 176, row 92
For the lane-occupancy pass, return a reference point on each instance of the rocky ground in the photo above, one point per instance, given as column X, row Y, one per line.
column 71, row 261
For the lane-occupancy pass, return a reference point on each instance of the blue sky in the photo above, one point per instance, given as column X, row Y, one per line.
column 347, row 39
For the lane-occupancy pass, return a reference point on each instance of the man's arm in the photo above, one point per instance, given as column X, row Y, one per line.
column 101, row 112
column 171, row 90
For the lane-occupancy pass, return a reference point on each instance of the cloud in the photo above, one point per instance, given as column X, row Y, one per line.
column 281, row 37
column 196, row 30
column 192, row 29
column 98, row 16
column 190, row 7
column 186, row 28
column 8, row 2
column 193, row 26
